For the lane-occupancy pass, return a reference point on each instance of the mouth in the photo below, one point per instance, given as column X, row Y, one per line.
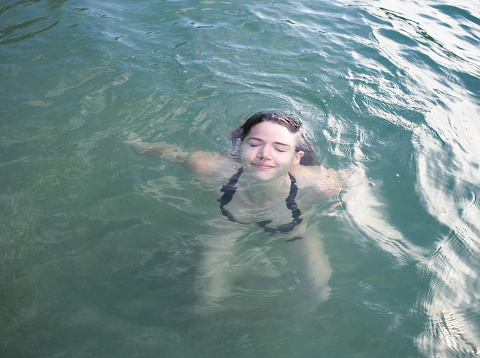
column 263, row 166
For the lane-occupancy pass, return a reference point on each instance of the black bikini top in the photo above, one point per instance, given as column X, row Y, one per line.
column 229, row 189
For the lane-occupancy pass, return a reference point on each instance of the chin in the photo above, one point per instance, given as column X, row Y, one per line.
column 264, row 177
column 263, row 174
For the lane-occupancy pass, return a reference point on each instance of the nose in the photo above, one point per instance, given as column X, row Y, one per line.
column 264, row 152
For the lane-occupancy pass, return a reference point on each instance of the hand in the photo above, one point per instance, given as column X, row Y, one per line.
column 131, row 138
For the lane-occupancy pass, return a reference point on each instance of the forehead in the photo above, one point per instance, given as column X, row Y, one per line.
column 272, row 132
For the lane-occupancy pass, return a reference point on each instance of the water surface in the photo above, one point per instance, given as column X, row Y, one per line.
column 99, row 247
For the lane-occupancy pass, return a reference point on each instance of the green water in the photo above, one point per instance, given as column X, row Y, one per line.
column 100, row 247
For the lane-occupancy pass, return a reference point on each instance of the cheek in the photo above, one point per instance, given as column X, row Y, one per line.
column 290, row 161
column 246, row 152
column 290, row 157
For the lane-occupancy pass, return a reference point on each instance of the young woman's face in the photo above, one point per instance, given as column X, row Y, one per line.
column 268, row 151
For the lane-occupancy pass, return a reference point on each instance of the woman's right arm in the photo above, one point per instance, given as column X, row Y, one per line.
column 204, row 165
column 159, row 150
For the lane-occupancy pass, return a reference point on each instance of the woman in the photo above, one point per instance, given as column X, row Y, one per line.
column 270, row 180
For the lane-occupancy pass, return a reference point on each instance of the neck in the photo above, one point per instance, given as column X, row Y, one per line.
column 261, row 191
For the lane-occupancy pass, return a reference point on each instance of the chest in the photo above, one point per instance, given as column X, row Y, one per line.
column 245, row 212
column 246, row 208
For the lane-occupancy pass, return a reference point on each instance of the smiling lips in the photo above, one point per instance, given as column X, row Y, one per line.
column 263, row 166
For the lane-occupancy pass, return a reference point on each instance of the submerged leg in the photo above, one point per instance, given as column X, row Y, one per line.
column 318, row 265
column 214, row 276
column 311, row 259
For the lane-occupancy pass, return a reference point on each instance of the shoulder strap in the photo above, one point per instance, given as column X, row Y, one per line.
column 229, row 189
column 291, row 204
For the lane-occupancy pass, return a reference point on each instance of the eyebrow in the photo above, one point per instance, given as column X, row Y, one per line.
column 278, row 143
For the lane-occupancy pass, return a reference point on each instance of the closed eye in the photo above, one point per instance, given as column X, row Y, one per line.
column 281, row 148
column 254, row 143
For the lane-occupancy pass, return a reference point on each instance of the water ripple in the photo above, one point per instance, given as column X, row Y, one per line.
column 31, row 26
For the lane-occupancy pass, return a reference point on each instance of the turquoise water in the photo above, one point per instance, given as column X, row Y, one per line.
column 99, row 247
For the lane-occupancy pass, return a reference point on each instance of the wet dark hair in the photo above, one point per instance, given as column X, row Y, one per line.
column 292, row 124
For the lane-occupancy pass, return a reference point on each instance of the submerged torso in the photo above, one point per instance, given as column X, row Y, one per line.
column 270, row 217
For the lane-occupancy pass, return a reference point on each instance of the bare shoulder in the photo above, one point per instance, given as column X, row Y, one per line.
column 324, row 182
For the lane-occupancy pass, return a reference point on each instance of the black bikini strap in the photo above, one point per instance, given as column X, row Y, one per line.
column 291, row 204
column 229, row 189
